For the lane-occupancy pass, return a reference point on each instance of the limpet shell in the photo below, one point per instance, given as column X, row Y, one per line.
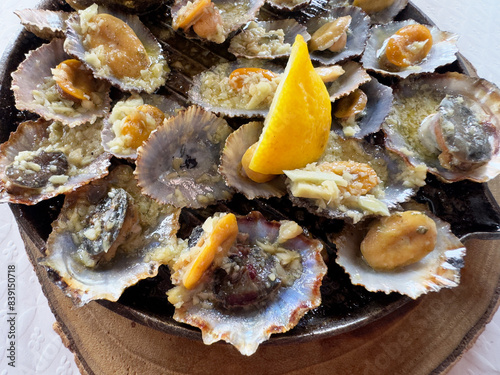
column 377, row 108
column 422, row 96
column 87, row 161
column 288, row 5
column 178, row 164
column 157, row 71
column 383, row 16
column 357, row 34
column 168, row 106
column 230, row 165
column 290, row 28
column 247, row 328
column 234, row 14
column 354, row 76
column 137, row 259
column 35, row 90
column 399, row 182
column 45, row 24
column 443, row 50
column 439, row 269
column 219, row 74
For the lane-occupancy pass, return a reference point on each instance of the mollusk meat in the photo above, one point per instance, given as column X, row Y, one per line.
column 354, row 180
column 350, row 123
column 178, row 163
column 442, row 52
column 118, row 48
column 43, row 159
column 264, row 281
column 450, row 122
column 132, row 120
column 251, row 96
column 439, row 269
column 109, row 236
column 357, row 34
column 36, row 88
column 213, row 20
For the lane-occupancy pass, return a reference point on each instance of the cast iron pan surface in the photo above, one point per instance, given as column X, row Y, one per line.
column 469, row 207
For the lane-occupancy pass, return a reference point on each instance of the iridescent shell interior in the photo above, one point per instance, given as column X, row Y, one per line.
column 439, row 269
column 150, row 240
column 281, row 309
column 415, row 99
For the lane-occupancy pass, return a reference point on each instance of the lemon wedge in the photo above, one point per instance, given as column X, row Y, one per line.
column 298, row 124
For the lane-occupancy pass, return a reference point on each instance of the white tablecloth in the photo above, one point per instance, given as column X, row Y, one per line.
column 40, row 350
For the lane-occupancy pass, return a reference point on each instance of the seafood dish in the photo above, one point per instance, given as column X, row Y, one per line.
column 245, row 167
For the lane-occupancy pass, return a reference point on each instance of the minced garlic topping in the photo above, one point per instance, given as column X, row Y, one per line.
column 256, row 41
column 256, row 92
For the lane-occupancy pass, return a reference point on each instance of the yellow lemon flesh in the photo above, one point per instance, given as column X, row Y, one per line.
column 298, row 124
column 220, row 240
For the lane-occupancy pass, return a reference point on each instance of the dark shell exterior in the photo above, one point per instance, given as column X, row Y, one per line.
column 290, row 27
column 356, row 36
column 166, row 105
column 439, row 269
column 247, row 329
column 31, row 74
column 480, row 91
column 377, row 108
column 32, row 136
column 354, row 76
column 443, row 50
column 178, row 164
column 45, row 24
column 84, row 284
column 230, row 165
column 74, row 46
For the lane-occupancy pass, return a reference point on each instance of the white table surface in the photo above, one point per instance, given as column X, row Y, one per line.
column 40, row 350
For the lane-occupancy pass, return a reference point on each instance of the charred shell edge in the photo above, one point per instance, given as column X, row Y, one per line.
column 282, row 6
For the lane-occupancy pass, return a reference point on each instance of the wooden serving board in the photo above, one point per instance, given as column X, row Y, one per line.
column 425, row 336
